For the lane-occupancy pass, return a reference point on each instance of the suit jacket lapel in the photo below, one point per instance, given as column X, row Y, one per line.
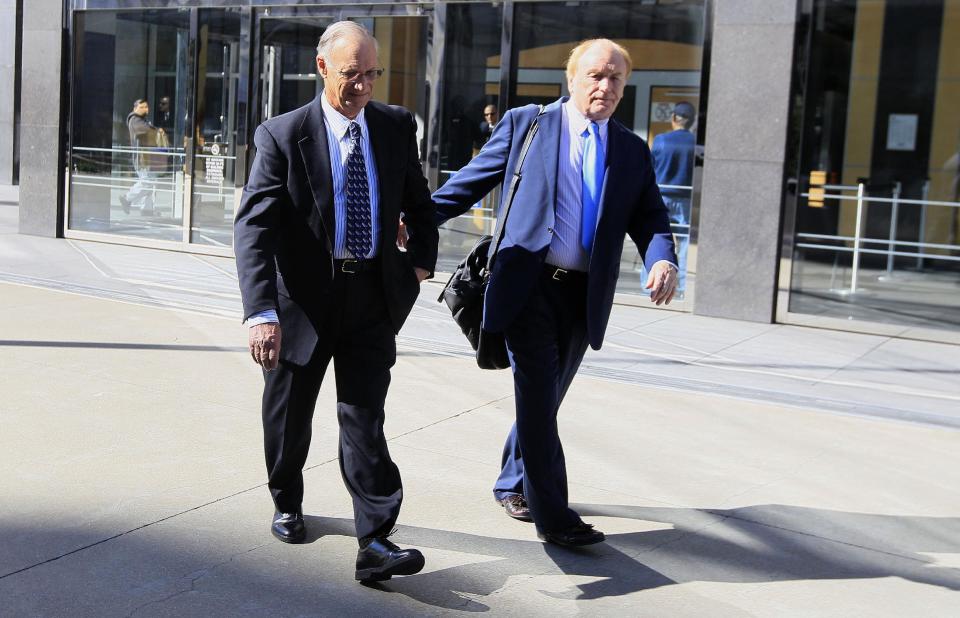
column 613, row 170
column 316, row 160
column 550, row 126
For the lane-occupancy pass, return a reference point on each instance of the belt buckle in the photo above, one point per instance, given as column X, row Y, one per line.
column 346, row 266
column 559, row 274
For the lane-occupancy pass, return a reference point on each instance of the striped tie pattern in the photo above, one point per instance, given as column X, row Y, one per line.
column 359, row 234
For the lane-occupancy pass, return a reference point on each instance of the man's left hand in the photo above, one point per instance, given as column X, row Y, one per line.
column 662, row 283
column 421, row 273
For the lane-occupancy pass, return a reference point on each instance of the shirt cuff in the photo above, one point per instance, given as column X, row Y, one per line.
column 263, row 317
column 668, row 263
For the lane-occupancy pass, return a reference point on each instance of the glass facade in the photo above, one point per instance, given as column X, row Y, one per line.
column 130, row 123
column 872, row 205
column 164, row 101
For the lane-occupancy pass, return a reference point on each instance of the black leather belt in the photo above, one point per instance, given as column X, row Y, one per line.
column 555, row 273
column 356, row 267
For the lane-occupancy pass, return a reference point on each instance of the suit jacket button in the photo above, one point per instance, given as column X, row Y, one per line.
column 550, row 230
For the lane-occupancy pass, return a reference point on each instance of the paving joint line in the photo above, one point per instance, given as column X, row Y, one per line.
column 861, row 357
column 130, row 531
column 227, row 497
column 817, row 536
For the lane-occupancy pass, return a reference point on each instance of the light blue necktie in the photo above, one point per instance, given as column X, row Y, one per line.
column 594, row 162
column 359, row 234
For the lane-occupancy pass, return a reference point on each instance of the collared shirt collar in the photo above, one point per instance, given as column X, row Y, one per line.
column 579, row 122
column 338, row 122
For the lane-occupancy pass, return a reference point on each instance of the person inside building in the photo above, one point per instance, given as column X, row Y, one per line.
column 144, row 138
column 673, row 165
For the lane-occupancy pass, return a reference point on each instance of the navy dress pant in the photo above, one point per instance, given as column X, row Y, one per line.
column 545, row 343
column 359, row 338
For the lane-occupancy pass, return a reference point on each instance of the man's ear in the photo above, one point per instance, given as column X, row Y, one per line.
column 321, row 67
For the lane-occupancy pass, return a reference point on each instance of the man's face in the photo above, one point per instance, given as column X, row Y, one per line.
column 355, row 57
column 142, row 109
column 597, row 84
column 490, row 114
column 164, row 104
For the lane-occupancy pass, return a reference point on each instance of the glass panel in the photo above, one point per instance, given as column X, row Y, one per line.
column 288, row 76
column 665, row 41
column 130, row 97
column 470, row 77
column 877, row 116
column 215, row 146
column 288, row 73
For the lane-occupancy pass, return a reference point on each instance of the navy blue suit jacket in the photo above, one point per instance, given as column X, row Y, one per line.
column 673, row 161
column 630, row 204
column 283, row 233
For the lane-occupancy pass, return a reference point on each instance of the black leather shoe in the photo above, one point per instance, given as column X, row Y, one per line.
column 576, row 535
column 379, row 560
column 516, row 507
column 288, row 527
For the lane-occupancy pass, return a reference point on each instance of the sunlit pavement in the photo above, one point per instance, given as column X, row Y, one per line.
column 737, row 468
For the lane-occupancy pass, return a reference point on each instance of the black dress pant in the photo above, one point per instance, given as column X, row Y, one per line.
column 359, row 338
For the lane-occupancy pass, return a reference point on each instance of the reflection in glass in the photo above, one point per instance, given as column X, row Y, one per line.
column 130, row 96
column 215, row 143
column 470, row 87
column 876, row 137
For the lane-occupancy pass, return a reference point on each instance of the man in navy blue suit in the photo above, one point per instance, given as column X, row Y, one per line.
column 587, row 182
column 673, row 165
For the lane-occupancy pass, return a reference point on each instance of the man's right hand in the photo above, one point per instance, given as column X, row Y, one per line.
column 265, row 345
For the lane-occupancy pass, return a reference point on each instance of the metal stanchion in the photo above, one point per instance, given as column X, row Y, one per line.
column 856, row 240
column 892, row 245
column 923, row 222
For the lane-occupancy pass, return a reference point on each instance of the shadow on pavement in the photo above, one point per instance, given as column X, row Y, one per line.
column 756, row 544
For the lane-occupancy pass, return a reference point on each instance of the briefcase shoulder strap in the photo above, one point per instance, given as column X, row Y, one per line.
column 512, row 188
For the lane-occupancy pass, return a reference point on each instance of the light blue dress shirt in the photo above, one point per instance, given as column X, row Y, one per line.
column 338, row 143
column 565, row 248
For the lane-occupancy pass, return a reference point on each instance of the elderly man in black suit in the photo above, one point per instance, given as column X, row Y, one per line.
column 315, row 240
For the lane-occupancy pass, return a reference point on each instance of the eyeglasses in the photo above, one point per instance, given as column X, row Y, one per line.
column 352, row 75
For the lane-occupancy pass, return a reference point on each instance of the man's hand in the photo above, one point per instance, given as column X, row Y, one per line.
column 421, row 273
column 265, row 345
column 402, row 236
column 662, row 283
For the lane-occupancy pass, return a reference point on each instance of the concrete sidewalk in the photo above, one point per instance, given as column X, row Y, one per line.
column 738, row 469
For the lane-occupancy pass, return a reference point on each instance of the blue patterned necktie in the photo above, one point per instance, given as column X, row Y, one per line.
column 359, row 237
column 591, row 171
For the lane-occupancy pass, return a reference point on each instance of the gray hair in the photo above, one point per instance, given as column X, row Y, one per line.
column 340, row 30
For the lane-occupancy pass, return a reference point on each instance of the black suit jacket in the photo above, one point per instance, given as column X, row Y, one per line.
column 284, row 229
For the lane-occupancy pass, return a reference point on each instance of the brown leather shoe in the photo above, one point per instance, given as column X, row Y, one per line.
column 516, row 507
column 577, row 535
